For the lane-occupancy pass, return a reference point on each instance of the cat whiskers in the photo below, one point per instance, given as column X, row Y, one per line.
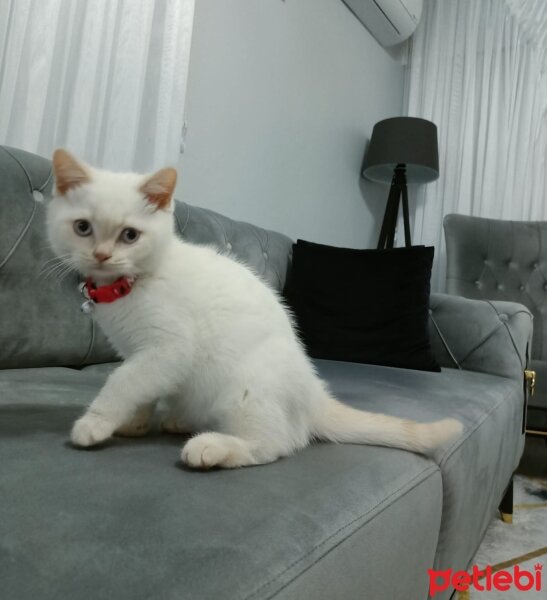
column 59, row 271
column 64, row 274
column 60, row 268
column 52, row 263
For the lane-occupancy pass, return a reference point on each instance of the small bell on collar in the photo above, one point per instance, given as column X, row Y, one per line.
column 88, row 306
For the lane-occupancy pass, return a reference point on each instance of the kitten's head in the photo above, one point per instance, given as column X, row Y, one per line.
column 107, row 225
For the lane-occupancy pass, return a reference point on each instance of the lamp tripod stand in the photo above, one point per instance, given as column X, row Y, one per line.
column 397, row 191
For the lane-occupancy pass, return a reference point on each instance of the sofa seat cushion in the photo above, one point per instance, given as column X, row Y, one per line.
column 126, row 521
column 475, row 468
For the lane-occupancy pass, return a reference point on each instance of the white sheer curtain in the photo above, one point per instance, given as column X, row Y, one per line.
column 104, row 78
column 478, row 69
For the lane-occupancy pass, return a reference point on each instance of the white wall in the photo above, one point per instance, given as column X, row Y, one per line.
column 282, row 97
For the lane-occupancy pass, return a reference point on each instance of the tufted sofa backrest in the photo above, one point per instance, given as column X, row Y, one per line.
column 267, row 252
column 500, row 260
column 40, row 319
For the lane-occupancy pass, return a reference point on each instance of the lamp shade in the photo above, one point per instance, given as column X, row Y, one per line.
column 403, row 140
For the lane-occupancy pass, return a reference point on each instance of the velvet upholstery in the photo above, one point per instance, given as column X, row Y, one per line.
column 132, row 497
column 267, row 252
column 40, row 321
column 477, row 466
column 504, row 260
column 488, row 337
column 127, row 521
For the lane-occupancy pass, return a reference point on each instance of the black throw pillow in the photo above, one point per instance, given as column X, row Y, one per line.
column 366, row 306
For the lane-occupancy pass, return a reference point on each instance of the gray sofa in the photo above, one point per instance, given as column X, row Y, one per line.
column 127, row 521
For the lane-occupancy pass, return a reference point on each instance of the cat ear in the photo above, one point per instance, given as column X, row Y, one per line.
column 69, row 173
column 159, row 188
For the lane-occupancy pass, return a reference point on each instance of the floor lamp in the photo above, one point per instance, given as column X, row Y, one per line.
column 402, row 150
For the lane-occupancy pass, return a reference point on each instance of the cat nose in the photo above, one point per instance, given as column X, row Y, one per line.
column 102, row 256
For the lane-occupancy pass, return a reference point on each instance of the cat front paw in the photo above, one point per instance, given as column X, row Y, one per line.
column 91, row 430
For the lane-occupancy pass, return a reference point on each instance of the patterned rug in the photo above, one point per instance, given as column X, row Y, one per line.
column 522, row 543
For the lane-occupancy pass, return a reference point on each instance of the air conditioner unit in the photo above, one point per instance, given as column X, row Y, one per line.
column 389, row 21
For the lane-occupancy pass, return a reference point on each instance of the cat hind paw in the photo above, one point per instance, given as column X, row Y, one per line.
column 203, row 454
column 208, row 450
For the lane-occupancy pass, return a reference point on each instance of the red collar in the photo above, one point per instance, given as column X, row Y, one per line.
column 108, row 293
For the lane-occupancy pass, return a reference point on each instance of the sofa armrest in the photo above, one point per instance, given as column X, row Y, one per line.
column 480, row 335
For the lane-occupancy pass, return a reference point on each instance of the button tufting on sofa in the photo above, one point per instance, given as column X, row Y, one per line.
column 468, row 241
column 268, row 252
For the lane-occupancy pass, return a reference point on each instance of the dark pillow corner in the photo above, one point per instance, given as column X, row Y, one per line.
column 365, row 306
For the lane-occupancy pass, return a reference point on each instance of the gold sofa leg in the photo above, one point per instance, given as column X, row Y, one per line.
column 530, row 377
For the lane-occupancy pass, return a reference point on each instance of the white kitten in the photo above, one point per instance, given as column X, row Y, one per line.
column 200, row 330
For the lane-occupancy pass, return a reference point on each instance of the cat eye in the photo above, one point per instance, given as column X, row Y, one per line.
column 129, row 235
column 82, row 228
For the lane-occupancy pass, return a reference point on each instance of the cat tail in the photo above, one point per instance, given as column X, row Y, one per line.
column 342, row 423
